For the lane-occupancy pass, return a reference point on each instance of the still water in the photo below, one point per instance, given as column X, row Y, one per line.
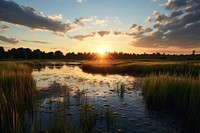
column 114, row 102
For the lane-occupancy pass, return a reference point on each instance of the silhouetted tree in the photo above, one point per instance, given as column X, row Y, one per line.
column 193, row 52
column 37, row 54
column 58, row 55
column 50, row 55
column 26, row 53
column 2, row 53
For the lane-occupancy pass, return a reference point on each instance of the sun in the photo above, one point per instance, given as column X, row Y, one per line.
column 102, row 50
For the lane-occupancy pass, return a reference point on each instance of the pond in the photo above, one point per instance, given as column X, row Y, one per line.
column 71, row 100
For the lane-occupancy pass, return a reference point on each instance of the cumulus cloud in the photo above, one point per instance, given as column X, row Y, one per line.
column 4, row 27
column 82, row 37
column 179, row 29
column 13, row 13
column 9, row 40
column 132, row 26
column 103, row 33
column 148, row 20
column 138, row 30
column 55, row 16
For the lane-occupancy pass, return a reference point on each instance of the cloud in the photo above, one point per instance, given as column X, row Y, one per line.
column 41, row 42
column 59, row 34
column 117, row 32
column 153, row 1
column 82, row 37
column 13, row 13
column 82, row 19
column 148, row 20
column 132, row 26
column 103, row 33
column 138, row 30
column 80, row 1
column 9, row 40
column 100, row 21
column 55, row 16
column 179, row 29
column 4, row 27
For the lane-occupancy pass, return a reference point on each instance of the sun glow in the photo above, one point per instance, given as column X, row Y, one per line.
column 102, row 50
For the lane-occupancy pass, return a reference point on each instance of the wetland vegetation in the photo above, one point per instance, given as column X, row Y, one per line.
column 100, row 96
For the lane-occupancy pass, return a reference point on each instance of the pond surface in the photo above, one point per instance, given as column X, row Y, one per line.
column 82, row 102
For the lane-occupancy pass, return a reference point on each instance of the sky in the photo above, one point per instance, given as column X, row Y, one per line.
column 130, row 26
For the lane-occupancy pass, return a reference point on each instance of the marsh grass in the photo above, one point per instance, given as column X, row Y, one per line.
column 180, row 94
column 141, row 68
column 17, row 94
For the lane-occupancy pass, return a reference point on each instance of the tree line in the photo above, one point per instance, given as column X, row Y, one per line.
column 26, row 53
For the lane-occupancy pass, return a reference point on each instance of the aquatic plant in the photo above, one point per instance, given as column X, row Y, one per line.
column 180, row 94
column 120, row 89
column 17, row 92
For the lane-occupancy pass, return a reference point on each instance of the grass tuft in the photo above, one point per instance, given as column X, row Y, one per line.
column 180, row 94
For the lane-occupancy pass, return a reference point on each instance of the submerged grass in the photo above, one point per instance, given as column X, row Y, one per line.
column 180, row 94
column 17, row 93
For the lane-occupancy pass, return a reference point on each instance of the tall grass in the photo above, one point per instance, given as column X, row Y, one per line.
column 177, row 93
column 17, row 93
column 140, row 68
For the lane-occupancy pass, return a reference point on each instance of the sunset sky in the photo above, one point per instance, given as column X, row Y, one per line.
column 132, row 26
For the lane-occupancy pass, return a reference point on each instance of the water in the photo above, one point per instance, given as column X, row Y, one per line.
column 115, row 101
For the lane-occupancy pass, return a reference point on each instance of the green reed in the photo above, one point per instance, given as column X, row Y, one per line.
column 180, row 94
column 17, row 92
column 141, row 68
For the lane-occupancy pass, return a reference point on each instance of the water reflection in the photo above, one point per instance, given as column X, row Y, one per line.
column 93, row 102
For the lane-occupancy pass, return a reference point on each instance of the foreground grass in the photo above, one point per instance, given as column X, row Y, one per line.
column 177, row 93
column 17, row 93
column 141, row 68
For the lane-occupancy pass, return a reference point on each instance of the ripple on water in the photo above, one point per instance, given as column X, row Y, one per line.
column 128, row 111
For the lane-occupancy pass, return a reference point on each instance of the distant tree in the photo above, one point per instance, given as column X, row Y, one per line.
column 50, row 55
column 37, row 54
column 58, row 55
column 193, row 52
column 2, row 53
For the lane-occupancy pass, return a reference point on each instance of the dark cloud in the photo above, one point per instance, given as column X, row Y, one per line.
column 41, row 42
column 4, row 27
column 82, row 37
column 132, row 26
column 138, row 31
column 27, row 16
column 103, row 33
column 117, row 32
column 176, row 13
column 9, row 40
column 180, row 29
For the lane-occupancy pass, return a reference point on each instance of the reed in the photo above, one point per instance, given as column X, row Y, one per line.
column 17, row 92
column 180, row 94
column 141, row 68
